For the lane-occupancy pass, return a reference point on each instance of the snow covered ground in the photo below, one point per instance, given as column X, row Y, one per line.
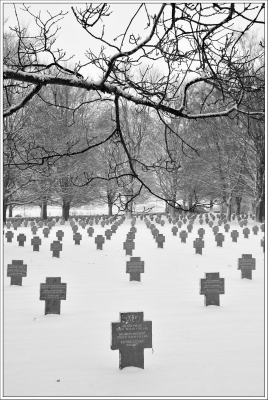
column 197, row 350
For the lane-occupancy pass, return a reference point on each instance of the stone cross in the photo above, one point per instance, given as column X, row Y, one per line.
column 131, row 235
column 60, row 235
column 8, row 225
column 99, row 240
column 246, row 264
column 75, row 228
column 255, row 229
column 189, row 228
column 246, row 232
column 53, row 291
column 174, row 230
column 215, row 229
column 77, row 237
column 21, row 238
column 40, row 224
column 226, row 227
column 212, row 286
column 135, row 267
column 56, row 247
column 201, row 232
column 90, row 231
column 179, row 224
column 234, row 235
column 46, row 232
column 129, row 245
column 160, row 239
column 15, row 226
column 219, row 237
column 36, row 242
column 131, row 336
column 25, row 222
column 262, row 227
column 210, row 224
column 114, row 228
column 16, row 270
column 108, row 233
column 198, row 245
column 34, row 229
column 9, row 236
column 183, row 235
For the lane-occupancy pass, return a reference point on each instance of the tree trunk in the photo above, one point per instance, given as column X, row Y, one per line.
column 110, row 208
column 167, row 208
column 10, row 210
column 238, row 201
column 260, row 203
column 128, row 211
column 66, row 205
column 229, row 208
column 43, row 212
column 4, row 212
column 190, row 201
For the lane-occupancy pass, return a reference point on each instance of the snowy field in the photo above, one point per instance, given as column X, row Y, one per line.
column 197, row 350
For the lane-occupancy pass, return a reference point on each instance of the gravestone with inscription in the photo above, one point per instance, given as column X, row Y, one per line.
column 34, row 229
column 189, row 228
column 9, row 236
column 246, row 264
column 53, row 291
column 131, row 336
column 74, row 228
column 21, row 238
column 215, row 229
column 99, row 240
column 8, row 224
column 135, row 267
column 16, row 270
column 36, row 242
column 56, row 247
column 212, row 286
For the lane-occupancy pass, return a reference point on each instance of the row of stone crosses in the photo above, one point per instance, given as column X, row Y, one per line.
column 131, row 335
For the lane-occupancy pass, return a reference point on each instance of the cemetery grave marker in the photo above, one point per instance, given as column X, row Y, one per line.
column 90, row 231
column 184, row 220
column 135, row 267
column 15, row 226
column 103, row 223
column 179, row 224
column 62, row 222
column 160, row 239
column 226, row 227
column 40, row 224
column 219, row 237
column 46, row 231
column 128, row 246
column 53, row 291
column 212, row 286
column 198, row 245
column 36, row 242
column 25, row 223
column 74, row 228
column 9, row 236
column 262, row 243
column 255, row 229
column 155, row 232
column 56, row 247
column 8, row 224
column 114, row 228
column 215, row 229
column 201, row 221
column 16, row 270
column 262, row 227
column 34, row 229
column 60, row 235
column 183, row 235
column 162, row 222
column 174, row 230
column 21, row 238
column 234, row 235
column 99, row 240
column 77, row 237
column 133, row 229
column 189, row 228
column 219, row 222
column 246, row 232
column 50, row 225
column 201, row 232
column 72, row 223
column 131, row 336
column 32, row 223
column 108, row 233
column 225, row 221
column 131, row 235
column 246, row 264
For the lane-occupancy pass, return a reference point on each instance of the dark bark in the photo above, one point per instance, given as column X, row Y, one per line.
column 43, row 212
column 260, row 201
column 66, row 205
column 5, row 212
column 238, row 201
column 229, row 208
column 110, row 208
column 10, row 210
column 190, row 201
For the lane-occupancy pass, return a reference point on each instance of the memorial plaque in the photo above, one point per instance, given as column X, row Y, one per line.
column 234, row 235
column 21, row 238
column 246, row 264
column 16, row 270
column 77, row 237
column 128, row 246
column 46, row 232
column 60, row 235
column 56, row 247
column 9, row 236
column 36, row 242
column 219, row 237
column 199, row 245
column 131, row 336
column 135, row 267
column 53, row 291
column 212, row 286
column 99, row 240
column 183, row 235
column 174, row 230
column 160, row 239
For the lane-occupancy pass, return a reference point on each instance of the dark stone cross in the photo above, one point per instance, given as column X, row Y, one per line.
column 255, row 229
column 34, row 229
column 160, row 239
column 56, row 247
column 128, row 246
column 36, row 242
column 25, row 222
column 75, row 228
column 133, row 229
column 246, row 264
column 131, row 336
column 162, row 222
column 189, row 228
column 77, row 237
column 46, row 232
column 234, row 235
column 212, row 286
column 40, row 224
column 103, row 223
column 226, row 227
column 201, row 221
column 198, row 245
column 219, row 239
column 99, row 240
column 174, row 230
column 183, row 235
column 16, row 270
column 62, row 222
column 155, row 232
column 215, row 229
column 8, row 225
column 114, row 228
column 15, row 226
column 90, row 231
column 9, row 236
column 179, row 223
column 246, row 232
column 131, row 235
column 53, row 291
column 108, row 233
column 135, row 267
column 21, row 238
column 201, row 232
column 60, row 235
